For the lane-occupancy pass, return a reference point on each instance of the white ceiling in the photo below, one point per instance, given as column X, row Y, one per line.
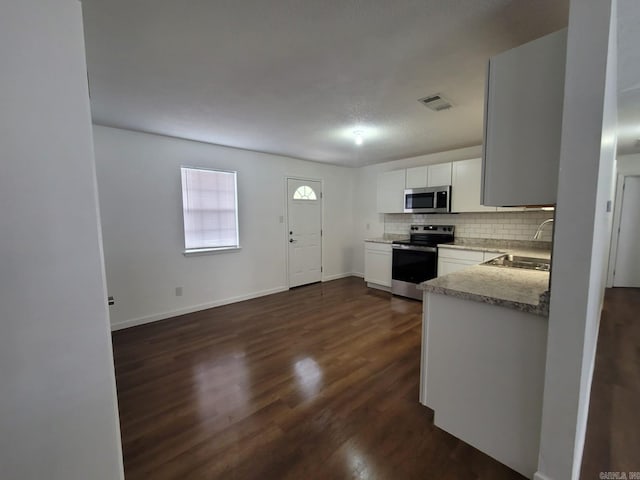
column 298, row 77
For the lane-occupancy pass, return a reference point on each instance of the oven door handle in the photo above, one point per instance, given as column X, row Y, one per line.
column 415, row 247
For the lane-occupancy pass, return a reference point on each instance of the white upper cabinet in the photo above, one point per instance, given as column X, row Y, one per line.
column 429, row 175
column 466, row 184
column 417, row 177
column 391, row 191
column 439, row 175
column 391, row 184
column 523, row 123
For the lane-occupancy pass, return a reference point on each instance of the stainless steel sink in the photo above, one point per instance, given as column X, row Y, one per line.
column 514, row 261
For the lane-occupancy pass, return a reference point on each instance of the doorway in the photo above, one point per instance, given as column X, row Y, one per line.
column 304, row 231
column 627, row 264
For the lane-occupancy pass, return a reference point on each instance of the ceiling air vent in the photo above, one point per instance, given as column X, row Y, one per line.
column 437, row 103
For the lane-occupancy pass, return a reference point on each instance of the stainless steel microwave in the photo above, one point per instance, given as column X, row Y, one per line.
column 428, row 200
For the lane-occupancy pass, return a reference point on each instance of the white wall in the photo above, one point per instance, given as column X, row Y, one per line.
column 582, row 234
column 141, row 208
column 58, row 410
column 629, row 164
column 368, row 222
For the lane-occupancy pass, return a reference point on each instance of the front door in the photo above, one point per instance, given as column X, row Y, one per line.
column 304, row 235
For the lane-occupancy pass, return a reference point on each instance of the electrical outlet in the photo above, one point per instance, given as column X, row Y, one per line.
column 111, row 301
column 178, row 291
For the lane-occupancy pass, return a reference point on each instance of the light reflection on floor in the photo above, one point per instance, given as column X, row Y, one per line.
column 309, row 377
column 222, row 385
column 358, row 465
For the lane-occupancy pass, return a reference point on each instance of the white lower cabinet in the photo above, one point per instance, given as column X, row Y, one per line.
column 454, row 259
column 377, row 264
column 482, row 374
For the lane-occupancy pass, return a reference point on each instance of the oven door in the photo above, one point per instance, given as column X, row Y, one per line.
column 412, row 265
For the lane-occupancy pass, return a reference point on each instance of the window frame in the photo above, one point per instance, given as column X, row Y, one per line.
column 209, row 250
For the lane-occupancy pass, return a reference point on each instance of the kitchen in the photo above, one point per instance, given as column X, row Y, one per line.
column 295, row 361
column 497, row 312
column 476, row 391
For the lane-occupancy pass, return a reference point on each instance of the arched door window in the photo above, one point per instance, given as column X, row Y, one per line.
column 304, row 192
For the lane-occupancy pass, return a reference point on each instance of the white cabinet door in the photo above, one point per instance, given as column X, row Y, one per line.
column 439, row 175
column 417, row 177
column 429, row 175
column 446, row 266
column 391, row 191
column 459, row 254
column 455, row 259
column 523, row 123
column 466, row 185
column 377, row 264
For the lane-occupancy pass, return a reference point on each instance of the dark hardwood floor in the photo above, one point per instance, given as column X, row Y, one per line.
column 318, row 382
column 613, row 428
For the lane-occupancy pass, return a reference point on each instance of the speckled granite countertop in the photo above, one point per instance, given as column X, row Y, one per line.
column 521, row 289
column 512, row 247
column 387, row 238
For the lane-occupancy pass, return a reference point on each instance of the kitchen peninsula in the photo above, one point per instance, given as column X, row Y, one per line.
column 483, row 358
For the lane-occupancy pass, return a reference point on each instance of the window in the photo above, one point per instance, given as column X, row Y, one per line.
column 305, row 192
column 210, row 209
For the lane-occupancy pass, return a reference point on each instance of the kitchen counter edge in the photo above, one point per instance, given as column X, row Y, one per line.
column 505, row 287
column 387, row 239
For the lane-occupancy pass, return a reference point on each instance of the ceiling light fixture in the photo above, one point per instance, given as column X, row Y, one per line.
column 358, row 137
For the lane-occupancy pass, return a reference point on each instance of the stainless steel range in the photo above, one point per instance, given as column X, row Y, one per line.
column 416, row 260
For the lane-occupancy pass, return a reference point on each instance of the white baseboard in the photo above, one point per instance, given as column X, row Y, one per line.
column 203, row 306
column 328, row 278
column 357, row 274
column 541, row 476
column 218, row 303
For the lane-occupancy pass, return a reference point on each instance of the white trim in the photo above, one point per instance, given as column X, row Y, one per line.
column 357, row 274
column 617, row 213
column 203, row 306
column 541, row 476
column 205, row 251
column 208, row 249
column 581, row 433
column 328, row 278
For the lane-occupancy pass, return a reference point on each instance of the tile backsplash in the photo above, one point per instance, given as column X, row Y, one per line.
column 495, row 225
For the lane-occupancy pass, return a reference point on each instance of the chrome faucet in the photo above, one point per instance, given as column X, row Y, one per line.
column 538, row 233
